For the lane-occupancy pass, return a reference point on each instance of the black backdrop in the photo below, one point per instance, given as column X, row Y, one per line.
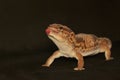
column 22, row 22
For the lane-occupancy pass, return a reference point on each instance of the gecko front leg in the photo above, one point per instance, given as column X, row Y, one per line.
column 50, row 60
column 80, row 64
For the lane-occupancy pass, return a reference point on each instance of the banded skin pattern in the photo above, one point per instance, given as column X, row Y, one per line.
column 76, row 45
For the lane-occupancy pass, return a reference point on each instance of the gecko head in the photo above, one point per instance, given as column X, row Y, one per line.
column 59, row 32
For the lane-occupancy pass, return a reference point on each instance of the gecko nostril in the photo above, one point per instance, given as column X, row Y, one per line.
column 47, row 31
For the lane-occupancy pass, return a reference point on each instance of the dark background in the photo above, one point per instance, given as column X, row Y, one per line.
column 24, row 46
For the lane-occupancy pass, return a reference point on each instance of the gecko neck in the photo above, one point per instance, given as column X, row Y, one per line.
column 63, row 46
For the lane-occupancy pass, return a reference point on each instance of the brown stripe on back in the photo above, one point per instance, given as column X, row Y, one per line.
column 86, row 42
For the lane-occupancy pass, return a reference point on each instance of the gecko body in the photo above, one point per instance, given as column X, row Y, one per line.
column 76, row 45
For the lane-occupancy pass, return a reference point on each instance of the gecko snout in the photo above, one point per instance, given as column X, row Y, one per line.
column 47, row 31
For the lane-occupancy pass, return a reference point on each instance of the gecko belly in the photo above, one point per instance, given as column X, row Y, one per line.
column 90, row 53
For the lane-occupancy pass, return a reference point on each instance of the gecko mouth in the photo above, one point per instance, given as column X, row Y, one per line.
column 50, row 36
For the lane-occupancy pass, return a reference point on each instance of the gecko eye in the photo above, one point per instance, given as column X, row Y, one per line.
column 60, row 28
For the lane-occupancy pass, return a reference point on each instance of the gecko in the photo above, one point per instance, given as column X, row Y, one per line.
column 76, row 46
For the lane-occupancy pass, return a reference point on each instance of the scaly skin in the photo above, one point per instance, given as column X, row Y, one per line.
column 76, row 45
